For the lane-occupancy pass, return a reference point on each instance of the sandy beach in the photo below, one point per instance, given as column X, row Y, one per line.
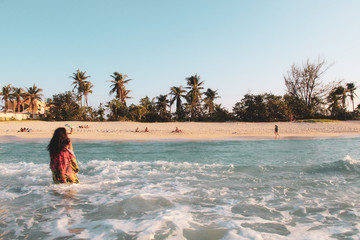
column 122, row 131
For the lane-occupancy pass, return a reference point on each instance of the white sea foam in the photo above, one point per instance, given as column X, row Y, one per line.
column 348, row 159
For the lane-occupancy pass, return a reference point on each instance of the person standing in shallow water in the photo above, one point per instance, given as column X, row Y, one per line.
column 277, row 135
column 62, row 158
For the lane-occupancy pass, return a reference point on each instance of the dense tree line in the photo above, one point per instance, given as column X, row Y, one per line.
column 306, row 97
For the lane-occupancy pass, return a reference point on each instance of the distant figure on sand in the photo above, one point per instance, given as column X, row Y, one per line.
column 137, row 130
column 146, row 130
column 276, row 132
column 177, row 130
column 62, row 158
column 24, row 130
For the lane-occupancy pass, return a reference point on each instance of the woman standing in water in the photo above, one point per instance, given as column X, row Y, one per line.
column 62, row 158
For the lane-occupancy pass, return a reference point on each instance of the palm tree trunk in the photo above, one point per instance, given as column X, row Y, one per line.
column 6, row 106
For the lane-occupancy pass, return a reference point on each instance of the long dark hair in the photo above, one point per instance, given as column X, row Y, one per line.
column 58, row 142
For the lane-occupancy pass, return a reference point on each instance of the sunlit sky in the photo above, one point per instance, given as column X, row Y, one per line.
column 235, row 46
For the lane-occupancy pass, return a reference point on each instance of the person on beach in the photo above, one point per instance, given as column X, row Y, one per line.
column 62, row 158
column 277, row 135
column 137, row 130
column 177, row 130
column 146, row 130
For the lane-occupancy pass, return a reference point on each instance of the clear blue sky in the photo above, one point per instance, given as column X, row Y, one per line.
column 235, row 46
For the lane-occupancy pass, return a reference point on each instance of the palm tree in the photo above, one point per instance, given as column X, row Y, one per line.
column 145, row 102
column 6, row 95
column 341, row 92
column 86, row 90
column 337, row 102
column 146, row 107
column 125, row 96
column 211, row 95
column 335, row 107
column 194, row 95
column 177, row 93
column 18, row 95
column 351, row 90
column 32, row 95
column 118, row 86
column 162, row 104
column 79, row 82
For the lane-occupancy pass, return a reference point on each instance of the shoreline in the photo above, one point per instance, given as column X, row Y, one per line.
column 191, row 131
column 16, row 139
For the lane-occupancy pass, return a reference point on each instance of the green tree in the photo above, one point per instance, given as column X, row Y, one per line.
column 118, row 110
column 88, row 114
column 276, row 108
column 177, row 93
column 145, row 111
column 118, row 86
column 79, row 83
column 261, row 108
column 100, row 112
column 6, row 95
column 296, row 107
column 210, row 96
column 251, row 108
column 351, row 91
column 151, row 112
column 136, row 112
column 147, row 103
column 342, row 93
column 162, row 104
column 221, row 114
column 336, row 102
column 64, row 107
column 194, row 95
column 32, row 95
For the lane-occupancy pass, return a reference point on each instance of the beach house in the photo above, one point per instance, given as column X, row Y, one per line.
column 26, row 111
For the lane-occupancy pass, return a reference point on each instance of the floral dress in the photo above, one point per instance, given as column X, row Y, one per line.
column 64, row 167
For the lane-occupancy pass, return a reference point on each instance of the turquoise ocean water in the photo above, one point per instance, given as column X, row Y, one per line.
column 285, row 189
